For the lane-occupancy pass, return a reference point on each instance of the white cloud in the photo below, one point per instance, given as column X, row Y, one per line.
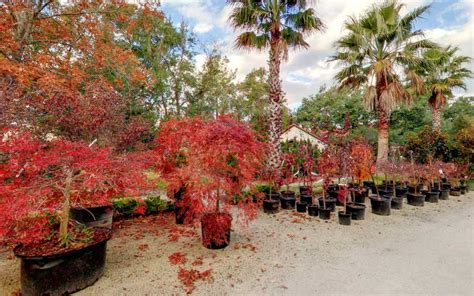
column 307, row 70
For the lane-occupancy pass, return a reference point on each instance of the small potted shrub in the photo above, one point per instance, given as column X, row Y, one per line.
column 222, row 158
column 39, row 183
column 272, row 200
column 288, row 197
column 327, row 166
column 306, row 160
column 343, row 216
column 414, row 197
column 451, row 170
column 380, row 205
column 362, row 160
column 431, row 173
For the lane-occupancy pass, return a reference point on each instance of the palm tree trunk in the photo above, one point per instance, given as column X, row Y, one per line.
column 382, row 142
column 436, row 115
column 274, row 106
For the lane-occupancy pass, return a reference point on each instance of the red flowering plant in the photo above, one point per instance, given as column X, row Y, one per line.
column 327, row 168
column 40, row 181
column 288, row 169
column 211, row 162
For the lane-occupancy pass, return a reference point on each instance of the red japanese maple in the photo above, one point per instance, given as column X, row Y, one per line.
column 327, row 168
column 38, row 177
column 211, row 162
column 362, row 160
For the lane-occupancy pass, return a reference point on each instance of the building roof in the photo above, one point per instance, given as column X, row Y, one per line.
column 304, row 131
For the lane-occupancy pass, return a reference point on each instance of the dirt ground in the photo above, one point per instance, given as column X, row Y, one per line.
column 416, row 251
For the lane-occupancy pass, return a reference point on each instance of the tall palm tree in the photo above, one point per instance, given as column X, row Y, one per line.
column 278, row 25
column 443, row 70
column 378, row 45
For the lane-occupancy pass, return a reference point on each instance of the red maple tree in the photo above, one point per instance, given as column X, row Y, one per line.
column 210, row 162
column 37, row 177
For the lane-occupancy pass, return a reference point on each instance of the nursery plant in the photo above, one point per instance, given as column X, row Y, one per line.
column 414, row 197
column 327, row 168
column 217, row 159
column 362, row 160
column 288, row 198
column 343, row 216
column 39, row 183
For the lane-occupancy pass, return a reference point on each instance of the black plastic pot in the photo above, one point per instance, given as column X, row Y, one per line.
column 216, row 237
column 380, row 205
column 324, row 214
column 306, row 190
column 444, row 194
column 301, row 207
column 417, row 200
column 360, row 196
column 368, row 183
column 463, row 189
column 397, row 203
column 432, row 196
column 287, row 202
column 401, row 191
column 383, row 192
column 313, row 210
column 455, row 191
column 344, row 219
column 330, row 203
column 271, row 206
column 308, row 199
column 99, row 216
column 411, row 188
column 357, row 211
column 62, row 274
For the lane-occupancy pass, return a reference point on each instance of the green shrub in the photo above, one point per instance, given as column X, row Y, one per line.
column 155, row 204
column 125, row 206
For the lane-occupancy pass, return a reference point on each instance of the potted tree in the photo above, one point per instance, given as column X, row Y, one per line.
column 451, row 171
column 431, row 173
column 344, row 217
column 327, row 166
column 307, row 165
column 288, row 198
column 222, row 158
column 380, row 204
column 362, row 160
column 414, row 197
column 39, row 183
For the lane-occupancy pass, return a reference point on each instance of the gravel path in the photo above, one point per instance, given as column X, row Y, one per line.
column 416, row 251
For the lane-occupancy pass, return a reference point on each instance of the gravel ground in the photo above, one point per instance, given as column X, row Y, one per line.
column 415, row 251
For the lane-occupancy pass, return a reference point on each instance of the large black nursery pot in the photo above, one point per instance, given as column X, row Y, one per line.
column 97, row 216
column 324, row 214
column 463, row 189
column 271, row 203
column 380, row 204
column 432, row 196
column 411, row 188
column 360, row 195
column 444, row 194
column 330, row 203
column 401, row 191
column 63, row 274
column 313, row 210
column 288, row 200
column 301, row 207
column 357, row 211
column 455, row 191
column 417, row 200
column 216, row 229
column 397, row 202
column 344, row 218
column 308, row 199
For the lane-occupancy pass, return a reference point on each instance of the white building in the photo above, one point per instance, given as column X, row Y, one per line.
column 296, row 133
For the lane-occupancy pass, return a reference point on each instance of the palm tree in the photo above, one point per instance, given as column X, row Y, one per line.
column 443, row 71
column 278, row 25
column 378, row 45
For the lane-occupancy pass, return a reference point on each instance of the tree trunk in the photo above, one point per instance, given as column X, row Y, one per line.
column 436, row 119
column 64, row 221
column 275, row 112
column 382, row 141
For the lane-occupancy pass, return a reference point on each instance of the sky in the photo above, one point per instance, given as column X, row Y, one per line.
column 448, row 22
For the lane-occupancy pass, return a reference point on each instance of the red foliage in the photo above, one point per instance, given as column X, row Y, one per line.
column 327, row 166
column 212, row 161
column 177, row 258
column 33, row 180
column 362, row 157
column 188, row 277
